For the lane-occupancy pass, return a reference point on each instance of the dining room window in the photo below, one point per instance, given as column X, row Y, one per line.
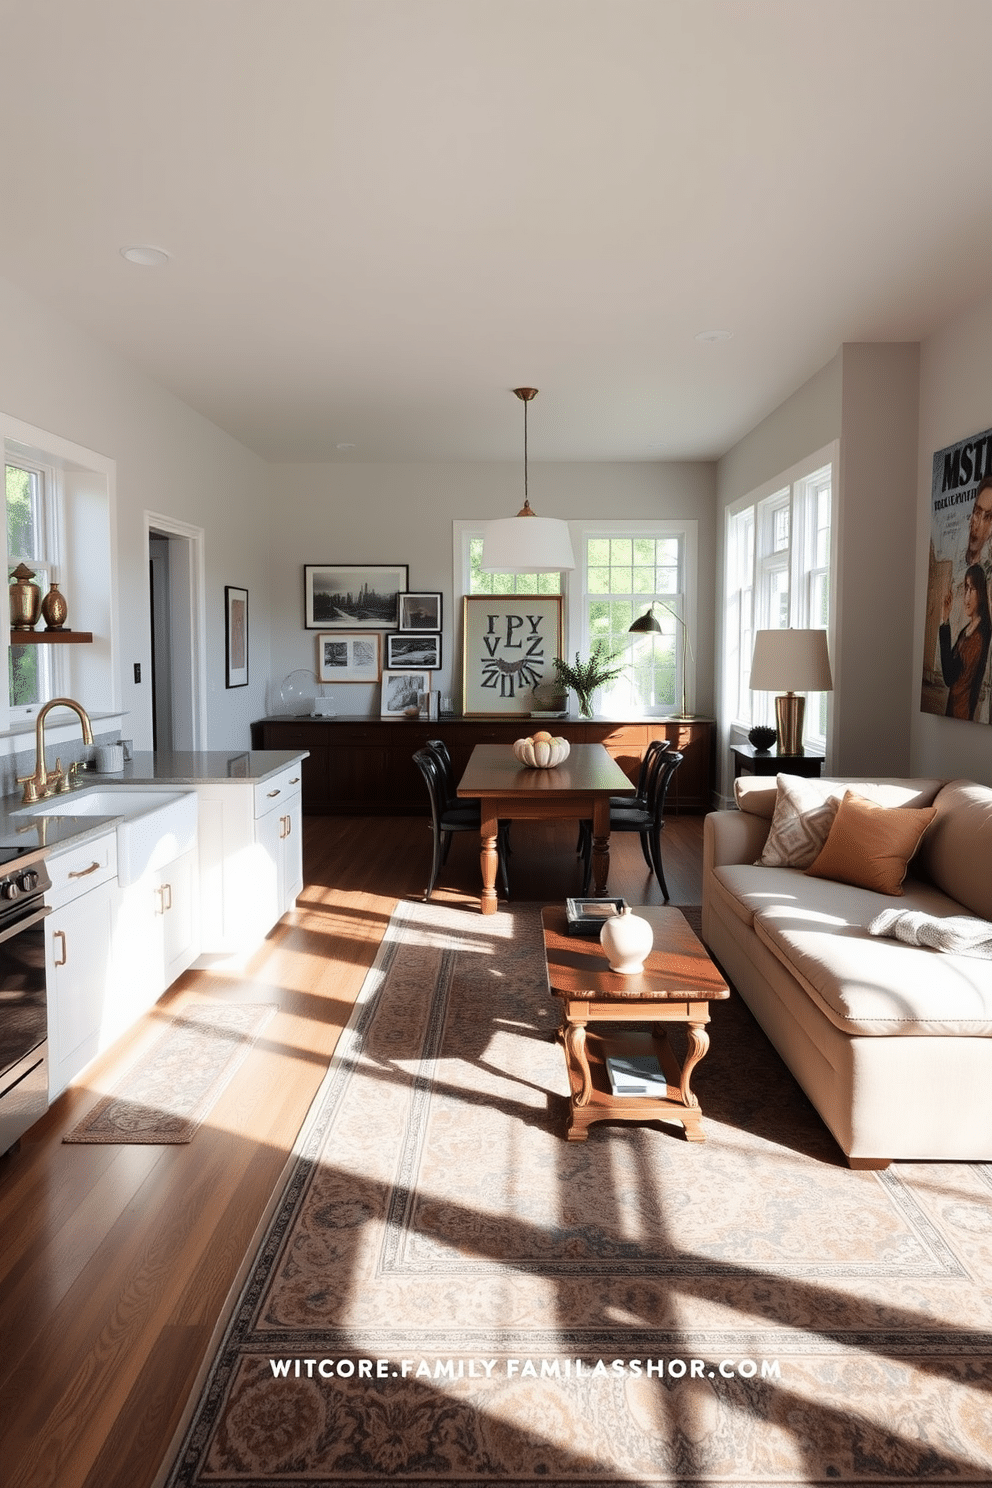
column 622, row 567
column 628, row 568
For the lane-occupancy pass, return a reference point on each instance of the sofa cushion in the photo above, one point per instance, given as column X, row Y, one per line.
column 957, row 850
column 800, row 823
column 871, row 845
column 743, row 890
column 872, row 987
column 759, row 793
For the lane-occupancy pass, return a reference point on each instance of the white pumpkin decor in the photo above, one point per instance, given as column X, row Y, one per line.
column 541, row 751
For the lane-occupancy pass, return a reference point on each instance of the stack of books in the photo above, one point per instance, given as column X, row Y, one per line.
column 636, row 1074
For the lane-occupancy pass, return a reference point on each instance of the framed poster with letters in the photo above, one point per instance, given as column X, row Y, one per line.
column 509, row 642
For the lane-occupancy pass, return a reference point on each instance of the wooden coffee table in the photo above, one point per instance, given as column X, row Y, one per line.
column 677, row 985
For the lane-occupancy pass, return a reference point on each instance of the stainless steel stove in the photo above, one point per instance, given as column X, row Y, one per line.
column 24, row 882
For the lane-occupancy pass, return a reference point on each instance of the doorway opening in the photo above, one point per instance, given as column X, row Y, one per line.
column 178, row 642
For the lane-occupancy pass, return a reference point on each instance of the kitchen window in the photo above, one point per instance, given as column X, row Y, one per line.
column 33, row 672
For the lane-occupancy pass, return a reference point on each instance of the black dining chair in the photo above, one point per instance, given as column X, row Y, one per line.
column 647, row 819
column 452, row 799
column 448, row 817
column 441, row 750
column 638, row 800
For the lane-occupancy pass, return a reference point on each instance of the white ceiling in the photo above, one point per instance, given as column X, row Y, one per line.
column 383, row 214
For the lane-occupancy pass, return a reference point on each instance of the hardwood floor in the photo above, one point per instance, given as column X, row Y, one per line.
column 115, row 1262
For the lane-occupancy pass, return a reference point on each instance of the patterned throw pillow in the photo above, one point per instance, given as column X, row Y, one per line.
column 804, row 813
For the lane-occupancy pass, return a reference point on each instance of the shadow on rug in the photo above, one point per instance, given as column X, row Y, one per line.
column 451, row 1294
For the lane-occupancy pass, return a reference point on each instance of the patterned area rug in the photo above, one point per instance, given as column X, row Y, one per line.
column 451, row 1294
column 170, row 1091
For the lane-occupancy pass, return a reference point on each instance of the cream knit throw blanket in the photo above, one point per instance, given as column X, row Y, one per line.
column 959, row 934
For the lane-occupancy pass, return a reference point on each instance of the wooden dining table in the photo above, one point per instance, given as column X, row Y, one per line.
column 580, row 788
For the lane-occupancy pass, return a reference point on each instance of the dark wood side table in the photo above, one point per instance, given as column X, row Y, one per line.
column 677, row 985
column 751, row 761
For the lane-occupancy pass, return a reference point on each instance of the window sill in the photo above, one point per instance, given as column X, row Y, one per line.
column 20, row 735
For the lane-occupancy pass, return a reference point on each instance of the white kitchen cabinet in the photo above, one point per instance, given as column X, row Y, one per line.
column 156, row 939
column 79, row 935
column 251, row 857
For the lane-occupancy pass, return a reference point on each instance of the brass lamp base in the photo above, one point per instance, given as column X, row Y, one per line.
column 789, row 712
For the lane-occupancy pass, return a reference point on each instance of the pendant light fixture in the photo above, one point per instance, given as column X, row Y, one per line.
column 526, row 543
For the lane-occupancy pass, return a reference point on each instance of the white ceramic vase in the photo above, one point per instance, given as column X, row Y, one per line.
column 627, row 940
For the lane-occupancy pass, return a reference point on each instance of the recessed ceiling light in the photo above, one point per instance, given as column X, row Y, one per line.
column 715, row 336
column 343, row 445
column 148, row 258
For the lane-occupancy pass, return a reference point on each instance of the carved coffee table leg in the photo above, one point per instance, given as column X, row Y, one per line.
column 699, row 1042
column 579, row 1073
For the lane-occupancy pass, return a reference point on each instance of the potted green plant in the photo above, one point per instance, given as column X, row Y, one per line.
column 585, row 676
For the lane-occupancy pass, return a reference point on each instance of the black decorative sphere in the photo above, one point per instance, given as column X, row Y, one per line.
column 762, row 738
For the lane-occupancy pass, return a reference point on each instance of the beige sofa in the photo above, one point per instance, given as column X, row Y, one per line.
column 891, row 1042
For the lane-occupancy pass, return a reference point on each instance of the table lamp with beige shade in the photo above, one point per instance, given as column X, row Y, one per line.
column 790, row 663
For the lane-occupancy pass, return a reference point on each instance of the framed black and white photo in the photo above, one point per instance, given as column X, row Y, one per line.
column 349, row 656
column 413, row 651
column 401, row 690
column 509, row 643
column 353, row 596
column 420, row 611
column 235, row 636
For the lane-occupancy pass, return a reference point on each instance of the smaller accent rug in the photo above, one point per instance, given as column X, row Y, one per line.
column 171, row 1089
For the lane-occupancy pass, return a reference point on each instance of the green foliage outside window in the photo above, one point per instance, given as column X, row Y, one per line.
column 23, row 539
column 507, row 583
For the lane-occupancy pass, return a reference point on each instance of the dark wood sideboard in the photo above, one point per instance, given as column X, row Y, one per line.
column 364, row 766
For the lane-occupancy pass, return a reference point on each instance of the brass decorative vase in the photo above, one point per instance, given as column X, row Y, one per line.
column 54, row 608
column 25, row 599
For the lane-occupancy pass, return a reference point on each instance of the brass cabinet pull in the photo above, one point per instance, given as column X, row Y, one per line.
column 82, row 873
column 295, row 780
column 60, row 935
column 274, row 793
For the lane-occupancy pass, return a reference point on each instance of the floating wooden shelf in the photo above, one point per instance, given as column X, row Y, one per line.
column 50, row 637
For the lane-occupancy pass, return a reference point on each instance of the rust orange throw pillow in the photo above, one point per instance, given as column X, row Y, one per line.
column 870, row 846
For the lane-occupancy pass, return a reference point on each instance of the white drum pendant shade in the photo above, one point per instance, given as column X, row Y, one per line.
column 526, row 545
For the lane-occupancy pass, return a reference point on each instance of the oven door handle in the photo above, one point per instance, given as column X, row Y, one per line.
column 25, row 924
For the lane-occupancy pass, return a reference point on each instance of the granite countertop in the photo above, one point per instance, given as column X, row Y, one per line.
column 200, row 767
column 165, row 768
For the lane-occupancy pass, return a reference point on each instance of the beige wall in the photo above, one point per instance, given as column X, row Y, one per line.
column 955, row 400
column 403, row 513
column 170, row 460
column 873, row 600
